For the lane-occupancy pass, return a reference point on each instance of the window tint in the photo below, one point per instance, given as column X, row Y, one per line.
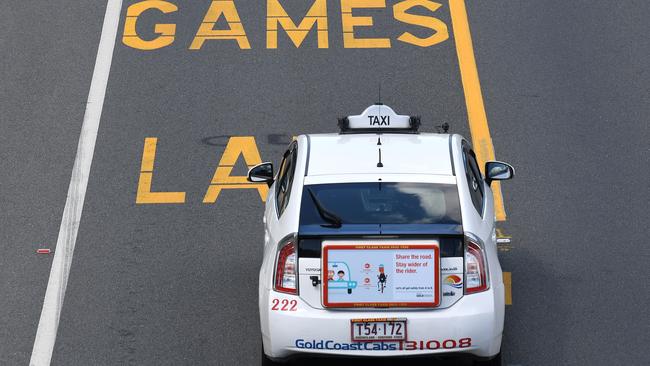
column 474, row 179
column 285, row 179
column 383, row 203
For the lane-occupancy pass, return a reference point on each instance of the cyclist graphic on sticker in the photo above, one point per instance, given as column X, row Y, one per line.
column 381, row 284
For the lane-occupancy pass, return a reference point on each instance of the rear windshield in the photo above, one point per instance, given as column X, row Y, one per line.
column 383, row 203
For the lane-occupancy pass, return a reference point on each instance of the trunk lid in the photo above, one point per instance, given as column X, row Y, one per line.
column 359, row 279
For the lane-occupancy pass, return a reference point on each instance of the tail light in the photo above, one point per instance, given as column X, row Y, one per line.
column 285, row 270
column 476, row 279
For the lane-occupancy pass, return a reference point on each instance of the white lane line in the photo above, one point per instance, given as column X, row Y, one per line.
column 49, row 321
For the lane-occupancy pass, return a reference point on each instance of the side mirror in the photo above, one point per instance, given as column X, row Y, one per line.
column 261, row 173
column 498, row 170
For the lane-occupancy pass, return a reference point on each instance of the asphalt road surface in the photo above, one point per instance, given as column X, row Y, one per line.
column 566, row 90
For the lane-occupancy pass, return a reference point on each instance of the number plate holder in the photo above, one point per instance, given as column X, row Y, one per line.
column 378, row 330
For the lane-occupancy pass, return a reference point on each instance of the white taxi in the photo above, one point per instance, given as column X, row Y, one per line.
column 380, row 241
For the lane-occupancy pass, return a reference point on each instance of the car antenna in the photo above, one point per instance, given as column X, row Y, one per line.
column 379, row 134
column 379, row 101
column 380, row 164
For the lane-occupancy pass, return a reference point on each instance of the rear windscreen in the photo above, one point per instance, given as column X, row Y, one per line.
column 382, row 203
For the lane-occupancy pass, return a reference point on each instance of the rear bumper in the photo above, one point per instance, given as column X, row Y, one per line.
column 473, row 326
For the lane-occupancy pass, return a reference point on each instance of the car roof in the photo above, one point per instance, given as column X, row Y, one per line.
column 401, row 153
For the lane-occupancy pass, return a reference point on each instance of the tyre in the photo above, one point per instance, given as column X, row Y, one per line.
column 266, row 361
column 496, row 361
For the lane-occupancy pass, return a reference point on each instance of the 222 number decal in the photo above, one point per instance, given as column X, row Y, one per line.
column 284, row 305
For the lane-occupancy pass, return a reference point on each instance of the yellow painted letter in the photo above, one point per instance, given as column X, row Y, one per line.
column 235, row 32
column 166, row 32
column 240, row 145
column 146, row 175
column 350, row 21
column 276, row 14
column 440, row 33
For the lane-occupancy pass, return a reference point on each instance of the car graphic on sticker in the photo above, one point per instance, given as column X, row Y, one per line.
column 338, row 277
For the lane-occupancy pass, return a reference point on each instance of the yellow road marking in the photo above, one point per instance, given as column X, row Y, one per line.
column 503, row 247
column 144, row 194
column 501, row 233
column 246, row 147
column 507, row 283
column 235, row 31
column 350, row 22
column 166, row 32
column 277, row 18
column 440, row 30
column 478, row 123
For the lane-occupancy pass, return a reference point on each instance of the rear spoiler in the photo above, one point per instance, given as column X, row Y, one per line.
column 380, row 229
column 451, row 237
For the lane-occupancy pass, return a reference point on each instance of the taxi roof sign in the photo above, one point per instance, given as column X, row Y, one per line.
column 379, row 118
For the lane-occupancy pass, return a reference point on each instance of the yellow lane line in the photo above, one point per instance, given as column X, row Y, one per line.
column 507, row 283
column 478, row 123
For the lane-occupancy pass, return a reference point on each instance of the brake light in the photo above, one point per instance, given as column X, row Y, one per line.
column 285, row 271
column 475, row 268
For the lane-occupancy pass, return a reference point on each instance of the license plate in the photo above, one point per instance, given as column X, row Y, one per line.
column 378, row 330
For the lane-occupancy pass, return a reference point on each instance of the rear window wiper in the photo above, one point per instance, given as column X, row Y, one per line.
column 333, row 219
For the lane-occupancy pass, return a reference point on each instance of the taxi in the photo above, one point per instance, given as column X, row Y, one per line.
column 380, row 241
